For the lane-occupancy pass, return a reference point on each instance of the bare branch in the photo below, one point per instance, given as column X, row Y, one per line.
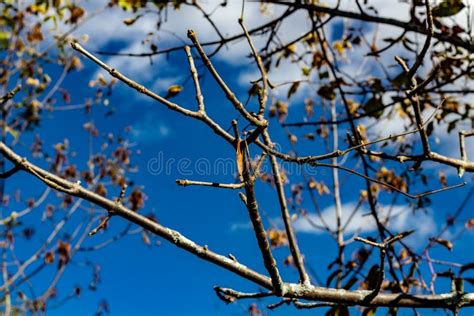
column 230, row 95
column 4, row 99
column 233, row 186
column 294, row 248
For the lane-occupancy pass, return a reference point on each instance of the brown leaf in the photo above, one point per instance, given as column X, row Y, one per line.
column 49, row 257
column 288, row 261
column 442, row 179
column 277, row 237
column 470, row 223
column 293, row 138
column 34, row 34
column 101, row 190
column 443, row 242
column 319, row 186
column 76, row 14
column 240, row 157
column 64, row 251
column 137, row 200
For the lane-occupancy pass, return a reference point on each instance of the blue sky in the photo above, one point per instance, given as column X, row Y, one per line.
column 137, row 279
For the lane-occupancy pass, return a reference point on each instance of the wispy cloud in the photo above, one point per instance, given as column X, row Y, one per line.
column 401, row 218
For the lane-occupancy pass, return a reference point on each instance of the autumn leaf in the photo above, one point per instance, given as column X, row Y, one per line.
column 101, row 190
column 76, row 14
column 64, row 251
column 240, row 157
column 32, row 82
column 277, row 237
column 288, row 261
column 133, row 5
column 442, row 179
column 318, row 186
column 49, row 257
column 469, row 223
column 290, row 50
column 443, row 242
column 293, row 139
column 137, row 200
column 35, row 35
column 173, row 91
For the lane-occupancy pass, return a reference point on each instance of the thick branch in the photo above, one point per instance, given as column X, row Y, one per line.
column 119, row 210
column 291, row 290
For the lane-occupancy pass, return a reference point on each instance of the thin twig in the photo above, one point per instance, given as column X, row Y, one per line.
column 184, row 183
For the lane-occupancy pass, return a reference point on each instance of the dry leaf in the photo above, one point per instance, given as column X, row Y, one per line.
column 470, row 223
column 277, row 237
column 443, row 242
column 240, row 157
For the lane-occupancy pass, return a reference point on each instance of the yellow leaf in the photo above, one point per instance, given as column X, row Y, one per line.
column 32, row 82
column 173, row 91
column 339, row 47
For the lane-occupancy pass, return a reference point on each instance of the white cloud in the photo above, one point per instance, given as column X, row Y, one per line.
column 134, row 68
column 107, row 28
column 401, row 219
column 241, row 226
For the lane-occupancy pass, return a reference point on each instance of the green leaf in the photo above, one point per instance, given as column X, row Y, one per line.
column 448, row 8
